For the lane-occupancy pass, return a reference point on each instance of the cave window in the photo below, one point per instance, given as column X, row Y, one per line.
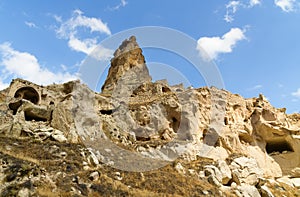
column 106, row 112
column 31, row 117
column 68, row 87
column 226, row 121
column 28, row 93
column 278, row 146
column 165, row 89
column 15, row 106
column 175, row 124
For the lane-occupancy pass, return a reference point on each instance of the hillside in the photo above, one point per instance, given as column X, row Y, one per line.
column 142, row 138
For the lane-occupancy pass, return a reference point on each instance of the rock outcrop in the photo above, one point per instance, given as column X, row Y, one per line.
column 204, row 141
column 128, row 69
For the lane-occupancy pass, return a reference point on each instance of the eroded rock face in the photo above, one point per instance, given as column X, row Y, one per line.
column 29, row 107
column 248, row 139
column 245, row 170
column 128, row 69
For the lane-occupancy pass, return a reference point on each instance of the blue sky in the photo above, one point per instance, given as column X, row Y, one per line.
column 254, row 43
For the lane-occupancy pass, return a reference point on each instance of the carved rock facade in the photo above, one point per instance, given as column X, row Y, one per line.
column 248, row 139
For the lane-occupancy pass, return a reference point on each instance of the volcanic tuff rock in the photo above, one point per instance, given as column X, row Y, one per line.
column 127, row 68
column 65, row 139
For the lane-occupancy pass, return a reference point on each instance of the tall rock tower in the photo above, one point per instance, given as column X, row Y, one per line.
column 128, row 69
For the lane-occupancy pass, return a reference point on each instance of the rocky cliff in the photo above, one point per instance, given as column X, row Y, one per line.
column 143, row 138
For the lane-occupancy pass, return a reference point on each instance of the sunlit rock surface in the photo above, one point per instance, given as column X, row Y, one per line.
column 143, row 138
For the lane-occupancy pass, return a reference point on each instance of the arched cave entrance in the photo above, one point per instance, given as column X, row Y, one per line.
column 28, row 93
column 279, row 145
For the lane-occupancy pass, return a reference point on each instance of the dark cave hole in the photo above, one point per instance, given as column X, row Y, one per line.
column 175, row 124
column 106, row 112
column 165, row 89
column 68, row 87
column 28, row 93
column 15, row 106
column 278, row 146
column 226, row 121
column 30, row 117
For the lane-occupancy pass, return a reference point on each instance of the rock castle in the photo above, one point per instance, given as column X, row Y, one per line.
column 204, row 141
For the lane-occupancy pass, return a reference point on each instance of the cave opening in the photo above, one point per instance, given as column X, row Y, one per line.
column 165, row 89
column 278, row 145
column 15, row 106
column 30, row 117
column 28, row 93
column 106, row 112
column 175, row 123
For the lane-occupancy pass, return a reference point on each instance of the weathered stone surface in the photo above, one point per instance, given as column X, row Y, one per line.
column 265, row 192
column 94, row 176
column 269, row 166
column 214, row 173
column 213, row 180
column 246, row 139
column 296, row 182
column 92, row 158
column 220, row 175
column 59, row 136
column 245, row 170
column 25, row 192
column 295, row 173
column 128, row 69
column 285, row 180
column 248, row 191
column 179, row 168
column 225, row 171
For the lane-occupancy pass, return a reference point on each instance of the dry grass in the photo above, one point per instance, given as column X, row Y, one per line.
column 162, row 182
column 30, row 157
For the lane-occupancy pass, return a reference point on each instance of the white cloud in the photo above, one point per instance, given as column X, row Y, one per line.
column 86, row 46
column 123, row 3
column 256, row 87
column 297, row 93
column 211, row 47
column 68, row 30
column 26, row 66
column 231, row 9
column 90, row 47
column 57, row 18
column 70, row 26
column 233, row 6
column 286, row 5
column 30, row 24
column 102, row 53
column 254, row 2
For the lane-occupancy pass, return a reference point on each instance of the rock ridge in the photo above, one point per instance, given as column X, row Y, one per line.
column 58, row 139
